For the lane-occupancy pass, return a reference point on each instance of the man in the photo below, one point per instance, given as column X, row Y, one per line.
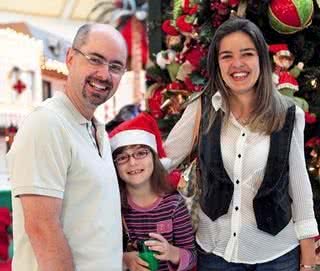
column 66, row 204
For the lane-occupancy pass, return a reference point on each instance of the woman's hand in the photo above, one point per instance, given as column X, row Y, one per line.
column 307, row 254
column 134, row 262
column 167, row 252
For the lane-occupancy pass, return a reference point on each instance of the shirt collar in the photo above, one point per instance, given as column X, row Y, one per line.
column 217, row 102
column 74, row 111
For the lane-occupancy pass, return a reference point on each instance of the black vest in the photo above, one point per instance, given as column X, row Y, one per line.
column 272, row 204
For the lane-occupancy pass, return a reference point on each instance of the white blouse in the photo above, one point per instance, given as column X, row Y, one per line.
column 235, row 236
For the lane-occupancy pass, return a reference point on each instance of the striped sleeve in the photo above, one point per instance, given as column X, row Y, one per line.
column 183, row 237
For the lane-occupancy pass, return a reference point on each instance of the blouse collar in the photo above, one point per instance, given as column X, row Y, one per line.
column 217, row 102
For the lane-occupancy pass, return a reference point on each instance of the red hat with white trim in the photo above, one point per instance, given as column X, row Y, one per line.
column 280, row 49
column 141, row 130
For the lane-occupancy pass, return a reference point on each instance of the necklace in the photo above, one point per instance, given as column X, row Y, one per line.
column 242, row 121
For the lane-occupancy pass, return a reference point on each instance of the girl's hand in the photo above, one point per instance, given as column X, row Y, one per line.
column 167, row 252
column 134, row 262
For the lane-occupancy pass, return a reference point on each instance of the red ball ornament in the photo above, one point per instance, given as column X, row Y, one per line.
column 290, row 16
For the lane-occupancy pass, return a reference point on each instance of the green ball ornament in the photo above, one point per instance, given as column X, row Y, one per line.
column 290, row 16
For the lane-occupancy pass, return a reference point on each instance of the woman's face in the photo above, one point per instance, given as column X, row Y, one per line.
column 135, row 166
column 239, row 63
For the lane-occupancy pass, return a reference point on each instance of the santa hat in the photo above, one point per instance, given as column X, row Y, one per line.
column 141, row 130
column 280, row 49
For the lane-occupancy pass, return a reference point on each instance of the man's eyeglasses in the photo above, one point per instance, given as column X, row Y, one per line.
column 115, row 68
column 123, row 158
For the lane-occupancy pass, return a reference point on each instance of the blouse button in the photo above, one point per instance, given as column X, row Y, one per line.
column 239, row 155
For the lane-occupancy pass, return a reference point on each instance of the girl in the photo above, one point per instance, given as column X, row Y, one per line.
column 152, row 212
column 256, row 202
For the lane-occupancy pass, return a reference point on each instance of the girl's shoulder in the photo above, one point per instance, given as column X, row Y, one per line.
column 174, row 198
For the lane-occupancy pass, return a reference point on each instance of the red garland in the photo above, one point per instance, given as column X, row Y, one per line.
column 310, row 118
column 194, row 55
column 191, row 86
column 154, row 103
column 312, row 142
column 175, row 86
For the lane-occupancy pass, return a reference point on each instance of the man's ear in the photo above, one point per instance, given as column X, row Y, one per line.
column 69, row 57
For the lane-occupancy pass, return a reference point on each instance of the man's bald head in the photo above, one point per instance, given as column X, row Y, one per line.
column 84, row 31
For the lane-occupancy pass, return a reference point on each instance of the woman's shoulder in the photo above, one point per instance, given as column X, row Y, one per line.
column 298, row 111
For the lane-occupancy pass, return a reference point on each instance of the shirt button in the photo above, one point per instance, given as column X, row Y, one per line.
column 239, row 155
column 237, row 208
column 237, row 181
column 234, row 234
column 243, row 134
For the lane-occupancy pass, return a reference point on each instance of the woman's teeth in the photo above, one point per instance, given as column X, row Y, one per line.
column 239, row 74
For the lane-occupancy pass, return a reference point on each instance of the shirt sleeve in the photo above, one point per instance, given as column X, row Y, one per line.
column 183, row 238
column 299, row 186
column 179, row 141
column 39, row 157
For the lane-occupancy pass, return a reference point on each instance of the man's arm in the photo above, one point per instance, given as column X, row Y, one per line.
column 44, row 229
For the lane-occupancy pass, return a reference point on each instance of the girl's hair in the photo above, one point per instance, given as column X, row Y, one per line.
column 270, row 108
column 159, row 177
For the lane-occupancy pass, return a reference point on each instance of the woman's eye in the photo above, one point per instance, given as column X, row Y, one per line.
column 225, row 56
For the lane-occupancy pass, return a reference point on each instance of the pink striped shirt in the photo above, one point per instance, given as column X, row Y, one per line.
column 169, row 217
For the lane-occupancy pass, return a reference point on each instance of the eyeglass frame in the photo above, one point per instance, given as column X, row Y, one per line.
column 133, row 155
column 102, row 62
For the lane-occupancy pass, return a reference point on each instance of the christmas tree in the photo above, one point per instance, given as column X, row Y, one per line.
column 178, row 73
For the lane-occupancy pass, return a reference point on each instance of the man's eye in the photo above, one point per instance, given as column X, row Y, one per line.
column 96, row 61
column 115, row 67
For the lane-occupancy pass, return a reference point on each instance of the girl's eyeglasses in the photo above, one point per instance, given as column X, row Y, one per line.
column 123, row 158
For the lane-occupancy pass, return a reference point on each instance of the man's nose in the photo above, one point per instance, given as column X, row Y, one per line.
column 104, row 73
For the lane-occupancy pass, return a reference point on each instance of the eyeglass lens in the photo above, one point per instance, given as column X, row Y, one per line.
column 124, row 157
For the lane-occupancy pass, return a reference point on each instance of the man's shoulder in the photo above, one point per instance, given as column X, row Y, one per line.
column 43, row 117
column 52, row 110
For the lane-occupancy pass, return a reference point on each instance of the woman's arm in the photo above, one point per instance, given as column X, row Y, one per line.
column 301, row 193
column 307, row 253
column 178, row 144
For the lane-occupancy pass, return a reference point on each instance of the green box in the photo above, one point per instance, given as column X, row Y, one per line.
column 5, row 199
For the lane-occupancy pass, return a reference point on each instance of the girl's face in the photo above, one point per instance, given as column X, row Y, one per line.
column 135, row 166
column 239, row 63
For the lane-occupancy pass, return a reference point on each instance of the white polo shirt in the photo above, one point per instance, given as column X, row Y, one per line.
column 53, row 154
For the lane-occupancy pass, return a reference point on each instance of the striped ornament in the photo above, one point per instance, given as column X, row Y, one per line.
column 290, row 16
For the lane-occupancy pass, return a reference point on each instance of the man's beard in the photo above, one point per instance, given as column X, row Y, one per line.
column 97, row 99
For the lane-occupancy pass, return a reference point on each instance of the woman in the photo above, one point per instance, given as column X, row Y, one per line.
column 256, row 202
